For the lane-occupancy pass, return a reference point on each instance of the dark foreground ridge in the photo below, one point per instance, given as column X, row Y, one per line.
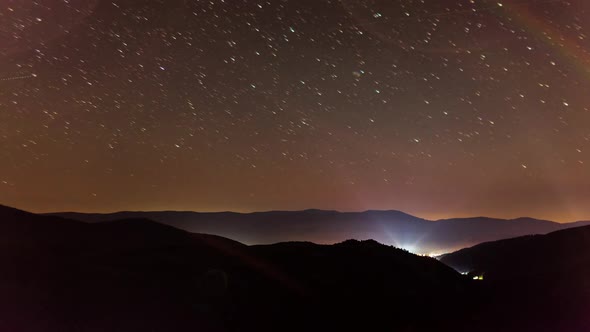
column 535, row 279
column 139, row 275
column 320, row 226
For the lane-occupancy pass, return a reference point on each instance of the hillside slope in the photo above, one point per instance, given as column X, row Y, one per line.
column 544, row 279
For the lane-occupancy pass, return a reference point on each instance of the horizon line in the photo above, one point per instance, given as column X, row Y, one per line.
column 315, row 209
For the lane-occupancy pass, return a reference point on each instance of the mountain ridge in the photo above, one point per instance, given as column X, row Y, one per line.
column 477, row 217
column 392, row 227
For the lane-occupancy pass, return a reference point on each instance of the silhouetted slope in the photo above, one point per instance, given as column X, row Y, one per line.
column 370, row 264
column 138, row 275
column 391, row 227
column 541, row 279
column 27, row 229
column 383, row 286
column 529, row 256
column 128, row 275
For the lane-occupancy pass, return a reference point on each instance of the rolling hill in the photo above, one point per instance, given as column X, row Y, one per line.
column 539, row 282
column 550, row 256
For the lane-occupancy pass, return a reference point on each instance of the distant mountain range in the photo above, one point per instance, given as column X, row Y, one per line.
column 395, row 228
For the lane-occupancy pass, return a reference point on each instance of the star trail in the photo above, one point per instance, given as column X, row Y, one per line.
column 437, row 108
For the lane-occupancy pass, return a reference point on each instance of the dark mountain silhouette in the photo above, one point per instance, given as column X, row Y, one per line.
column 556, row 252
column 391, row 227
column 139, row 275
column 531, row 278
column 135, row 274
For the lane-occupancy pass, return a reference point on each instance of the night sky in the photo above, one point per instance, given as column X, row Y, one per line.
column 437, row 108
